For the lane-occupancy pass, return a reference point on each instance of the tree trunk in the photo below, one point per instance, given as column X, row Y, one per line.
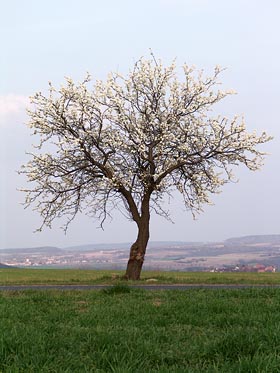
column 135, row 262
column 138, row 248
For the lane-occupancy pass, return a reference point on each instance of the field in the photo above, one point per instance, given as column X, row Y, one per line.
column 72, row 276
column 133, row 330
column 122, row 329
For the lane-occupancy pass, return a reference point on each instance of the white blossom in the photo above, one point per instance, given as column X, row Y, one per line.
column 120, row 140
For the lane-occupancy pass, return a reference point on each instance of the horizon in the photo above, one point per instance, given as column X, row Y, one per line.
column 150, row 242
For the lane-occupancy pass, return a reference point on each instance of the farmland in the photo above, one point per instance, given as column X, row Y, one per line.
column 243, row 253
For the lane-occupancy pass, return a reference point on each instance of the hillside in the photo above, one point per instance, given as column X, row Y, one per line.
column 126, row 245
column 171, row 255
column 33, row 250
column 252, row 240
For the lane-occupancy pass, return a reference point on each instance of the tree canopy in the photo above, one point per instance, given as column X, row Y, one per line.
column 126, row 142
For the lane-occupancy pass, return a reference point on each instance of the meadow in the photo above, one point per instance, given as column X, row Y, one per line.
column 121, row 329
column 25, row 276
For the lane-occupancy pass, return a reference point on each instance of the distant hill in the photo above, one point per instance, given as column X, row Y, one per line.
column 163, row 255
column 99, row 247
column 255, row 239
column 163, row 245
column 126, row 245
column 238, row 241
column 30, row 250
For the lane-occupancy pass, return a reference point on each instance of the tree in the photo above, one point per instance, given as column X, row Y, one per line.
column 131, row 140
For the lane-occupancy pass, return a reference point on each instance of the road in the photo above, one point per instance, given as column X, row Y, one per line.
column 146, row 287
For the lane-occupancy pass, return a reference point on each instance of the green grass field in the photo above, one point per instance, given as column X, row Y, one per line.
column 133, row 330
column 73, row 276
column 122, row 329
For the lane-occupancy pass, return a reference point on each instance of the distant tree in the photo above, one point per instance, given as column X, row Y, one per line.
column 128, row 141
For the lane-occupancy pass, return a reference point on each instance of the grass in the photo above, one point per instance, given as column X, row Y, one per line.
column 132, row 330
column 74, row 276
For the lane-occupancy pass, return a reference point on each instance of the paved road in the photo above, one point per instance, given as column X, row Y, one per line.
column 146, row 287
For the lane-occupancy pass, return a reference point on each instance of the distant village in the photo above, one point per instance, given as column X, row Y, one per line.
column 70, row 260
column 259, row 254
column 105, row 259
column 260, row 268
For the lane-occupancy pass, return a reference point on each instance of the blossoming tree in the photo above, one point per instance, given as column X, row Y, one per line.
column 127, row 142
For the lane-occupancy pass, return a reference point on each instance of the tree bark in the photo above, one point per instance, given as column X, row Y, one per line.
column 138, row 248
column 136, row 258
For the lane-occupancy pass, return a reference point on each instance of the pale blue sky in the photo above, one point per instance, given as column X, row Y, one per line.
column 44, row 41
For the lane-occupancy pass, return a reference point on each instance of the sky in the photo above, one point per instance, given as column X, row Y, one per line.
column 44, row 41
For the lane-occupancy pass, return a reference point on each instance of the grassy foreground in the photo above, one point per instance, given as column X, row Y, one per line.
column 74, row 276
column 132, row 330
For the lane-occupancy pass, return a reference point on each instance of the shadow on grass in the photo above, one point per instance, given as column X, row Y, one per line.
column 117, row 289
